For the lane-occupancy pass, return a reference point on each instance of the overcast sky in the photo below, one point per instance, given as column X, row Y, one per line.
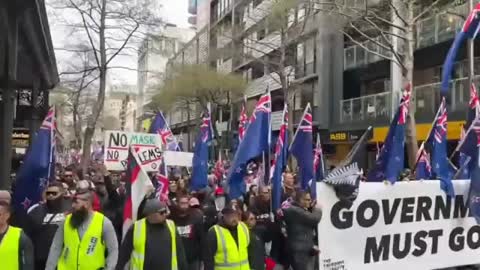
column 173, row 11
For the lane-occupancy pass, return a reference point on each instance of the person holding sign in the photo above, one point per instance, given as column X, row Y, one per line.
column 301, row 219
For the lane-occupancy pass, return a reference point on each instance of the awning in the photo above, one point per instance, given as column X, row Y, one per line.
column 26, row 38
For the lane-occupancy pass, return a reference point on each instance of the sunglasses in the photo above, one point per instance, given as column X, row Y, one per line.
column 163, row 212
column 51, row 193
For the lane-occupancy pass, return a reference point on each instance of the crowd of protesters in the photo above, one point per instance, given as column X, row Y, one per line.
column 275, row 240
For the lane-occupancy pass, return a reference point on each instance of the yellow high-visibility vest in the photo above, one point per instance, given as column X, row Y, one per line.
column 9, row 248
column 231, row 256
column 85, row 254
column 140, row 239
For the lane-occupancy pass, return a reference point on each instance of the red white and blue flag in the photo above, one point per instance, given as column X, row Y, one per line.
column 279, row 161
column 38, row 165
column 302, row 148
column 200, row 154
column 160, row 126
column 390, row 160
column 470, row 30
column 161, row 188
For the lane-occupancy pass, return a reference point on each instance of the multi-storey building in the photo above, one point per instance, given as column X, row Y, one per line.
column 153, row 55
column 348, row 87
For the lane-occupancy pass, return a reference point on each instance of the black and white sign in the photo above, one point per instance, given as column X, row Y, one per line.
column 410, row 225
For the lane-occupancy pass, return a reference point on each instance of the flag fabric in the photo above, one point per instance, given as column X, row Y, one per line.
column 462, row 158
column 137, row 186
column 440, row 162
column 161, row 186
column 243, row 120
column 279, row 162
column 160, row 126
column 200, row 154
column 255, row 142
column 318, row 167
column 390, row 161
column 38, row 166
column 302, row 148
column 469, row 30
column 423, row 170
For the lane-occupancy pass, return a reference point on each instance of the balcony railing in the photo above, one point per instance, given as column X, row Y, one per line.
column 369, row 107
column 426, row 99
column 438, row 28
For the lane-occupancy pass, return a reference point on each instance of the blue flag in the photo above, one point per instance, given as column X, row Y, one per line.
column 160, row 126
column 469, row 30
column 302, row 148
column 38, row 164
column 200, row 155
column 390, row 161
column 255, row 142
column 441, row 168
column 279, row 161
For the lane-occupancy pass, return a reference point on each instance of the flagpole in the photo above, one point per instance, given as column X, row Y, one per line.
column 429, row 132
column 464, row 165
column 354, row 148
column 266, row 156
column 296, row 132
column 459, row 145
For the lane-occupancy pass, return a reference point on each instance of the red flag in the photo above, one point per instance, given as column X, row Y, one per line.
column 219, row 170
column 137, row 187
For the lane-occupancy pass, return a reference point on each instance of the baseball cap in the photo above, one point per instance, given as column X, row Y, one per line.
column 194, row 202
column 154, row 206
column 229, row 209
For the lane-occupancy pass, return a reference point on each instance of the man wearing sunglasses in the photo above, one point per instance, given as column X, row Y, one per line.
column 153, row 243
column 44, row 220
column 86, row 240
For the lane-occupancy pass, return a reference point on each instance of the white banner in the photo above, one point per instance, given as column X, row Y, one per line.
column 410, row 225
column 117, row 144
column 183, row 159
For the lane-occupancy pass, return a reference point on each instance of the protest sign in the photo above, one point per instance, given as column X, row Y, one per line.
column 117, row 144
column 409, row 225
column 183, row 159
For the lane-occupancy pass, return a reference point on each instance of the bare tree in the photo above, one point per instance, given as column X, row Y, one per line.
column 390, row 25
column 194, row 85
column 110, row 28
column 282, row 27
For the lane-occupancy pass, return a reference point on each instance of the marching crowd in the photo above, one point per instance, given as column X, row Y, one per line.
column 79, row 225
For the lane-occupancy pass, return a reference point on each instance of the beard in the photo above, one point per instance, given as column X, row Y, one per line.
column 78, row 217
column 55, row 204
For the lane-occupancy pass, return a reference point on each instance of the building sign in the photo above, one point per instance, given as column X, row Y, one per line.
column 410, row 226
column 346, row 136
column 20, row 138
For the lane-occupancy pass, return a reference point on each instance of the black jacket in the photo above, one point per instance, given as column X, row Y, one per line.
column 301, row 226
column 211, row 247
column 190, row 229
column 158, row 253
column 257, row 261
column 43, row 224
